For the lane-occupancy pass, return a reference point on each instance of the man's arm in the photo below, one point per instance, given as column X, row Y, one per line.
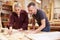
column 41, row 27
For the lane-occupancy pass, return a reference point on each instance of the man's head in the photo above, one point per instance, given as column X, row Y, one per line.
column 17, row 7
column 32, row 8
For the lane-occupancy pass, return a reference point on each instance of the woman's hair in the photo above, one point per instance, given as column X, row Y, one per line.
column 17, row 4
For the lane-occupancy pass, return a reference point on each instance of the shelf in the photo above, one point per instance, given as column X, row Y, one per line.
column 6, row 10
column 7, row 4
column 5, row 21
column 7, row 7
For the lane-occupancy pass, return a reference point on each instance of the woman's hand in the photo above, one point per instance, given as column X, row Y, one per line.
column 20, row 29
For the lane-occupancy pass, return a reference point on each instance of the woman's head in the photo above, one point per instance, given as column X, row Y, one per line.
column 17, row 7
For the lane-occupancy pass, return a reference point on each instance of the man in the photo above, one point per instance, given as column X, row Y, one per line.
column 19, row 18
column 40, row 17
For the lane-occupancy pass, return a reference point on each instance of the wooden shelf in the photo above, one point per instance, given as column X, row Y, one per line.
column 6, row 10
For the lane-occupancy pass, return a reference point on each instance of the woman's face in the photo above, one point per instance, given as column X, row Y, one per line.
column 17, row 9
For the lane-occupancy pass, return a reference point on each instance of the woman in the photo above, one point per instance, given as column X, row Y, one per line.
column 19, row 18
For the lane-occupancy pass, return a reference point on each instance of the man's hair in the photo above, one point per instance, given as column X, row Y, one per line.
column 31, row 4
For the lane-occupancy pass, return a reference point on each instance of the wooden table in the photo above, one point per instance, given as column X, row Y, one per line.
column 16, row 35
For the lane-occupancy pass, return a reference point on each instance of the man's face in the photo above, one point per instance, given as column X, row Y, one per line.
column 17, row 9
column 31, row 10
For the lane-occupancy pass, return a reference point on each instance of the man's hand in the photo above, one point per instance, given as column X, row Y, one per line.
column 31, row 32
column 34, row 32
